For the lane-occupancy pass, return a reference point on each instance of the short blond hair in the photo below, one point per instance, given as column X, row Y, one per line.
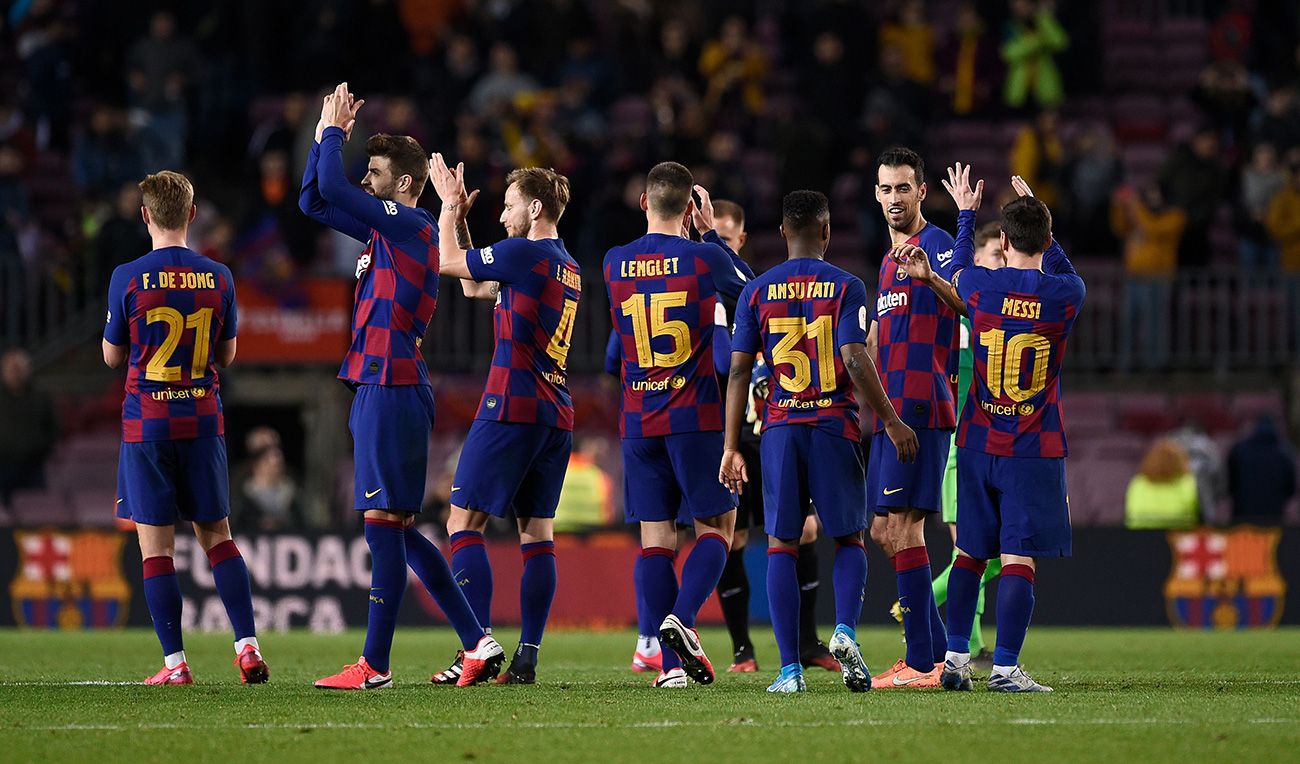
column 169, row 197
column 546, row 186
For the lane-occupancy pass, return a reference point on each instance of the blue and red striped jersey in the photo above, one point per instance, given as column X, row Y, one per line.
column 915, row 337
column 1021, row 320
column 663, row 296
column 397, row 272
column 798, row 315
column 533, row 325
column 172, row 306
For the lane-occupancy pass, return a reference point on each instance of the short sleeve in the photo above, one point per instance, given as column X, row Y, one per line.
column 508, row 261
column 117, row 329
column 231, row 325
column 745, row 338
column 853, row 319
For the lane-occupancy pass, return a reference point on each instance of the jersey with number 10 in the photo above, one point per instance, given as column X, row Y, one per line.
column 1020, row 322
column 172, row 306
column 663, row 295
column 799, row 314
column 533, row 324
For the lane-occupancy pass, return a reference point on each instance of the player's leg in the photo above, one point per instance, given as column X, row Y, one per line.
column 204, row 497
column 146, row 494
column 812, row 651
column 647, row 655
column 429, row 565
column 785, row 494
column 652, row 499
column 940, row 586
column 469, row 560
column 733, row 596
column 714, row 510
column 982, row 656
column 977, row 540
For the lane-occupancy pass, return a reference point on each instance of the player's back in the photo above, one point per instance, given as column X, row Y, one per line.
column 915, row 337
column 663, row 294
column 533, row 324
column 1021, row 320
column 803, row 311
column 173, row 305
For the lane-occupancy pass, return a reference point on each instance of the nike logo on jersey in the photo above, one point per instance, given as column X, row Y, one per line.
column 372, row 494
column 119, row 501
column 892, row 491
column 455, row 488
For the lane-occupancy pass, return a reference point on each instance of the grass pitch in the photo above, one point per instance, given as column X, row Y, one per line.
column 1150, row 695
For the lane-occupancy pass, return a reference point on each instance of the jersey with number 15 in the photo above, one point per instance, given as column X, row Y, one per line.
column 663, row 296
column 799, row 314
column 533, row 324
column 172, row 306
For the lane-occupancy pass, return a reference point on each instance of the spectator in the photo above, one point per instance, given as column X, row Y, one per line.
column 1036, row 156
column 1261, row 180
column 1195, row 181
column 678, row 54
column 1225, row 99
column 106, row 154
column 496, row 91
column 734, row 68
column 1206, row 463
column 41, row 40
column 28, row 427
column 587, row 497
column 1089, row 178
column 1280, row 122
column 969, row 59
column 1163, row 492
column 268, row 497
column 122, row 238
column 1033, row 38
column 14, row 206
column 832, row 90
column 1261, row 474
column 1151, row 231
column 895, row 108
column 913, row 35
column 160, row 70
column 1283, row 224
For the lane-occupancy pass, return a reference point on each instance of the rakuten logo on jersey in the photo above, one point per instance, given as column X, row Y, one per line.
column 890, row 300
column 363, row 263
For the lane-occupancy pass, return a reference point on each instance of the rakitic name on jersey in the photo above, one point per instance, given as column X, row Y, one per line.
column 801, row 290
column 649, row 267
column 182, row 280
column 1002, row 409
column 1017, row 308
column 890, row 300
column 676, row 382
column 568, row 278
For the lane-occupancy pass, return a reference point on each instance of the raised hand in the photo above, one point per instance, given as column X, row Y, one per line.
column 958, row 187
column 702, row 214
column 1022, row 188
column 733, row 473
column 448, row 183
column 912, row 260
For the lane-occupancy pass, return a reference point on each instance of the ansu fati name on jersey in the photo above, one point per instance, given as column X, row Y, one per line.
column 801, row 290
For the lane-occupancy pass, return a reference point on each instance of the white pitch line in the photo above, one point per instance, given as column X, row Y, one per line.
column 663, row 724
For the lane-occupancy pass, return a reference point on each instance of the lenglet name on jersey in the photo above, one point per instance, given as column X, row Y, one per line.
column 649, row 267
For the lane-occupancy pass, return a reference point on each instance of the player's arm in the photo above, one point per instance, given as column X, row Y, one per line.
column 702, row 217
column 226, row 352
column 226, row 344
column 862, row 370
column 916, row 263
column 873, row 340
column 115, row 355
column 733, row 473
column 314, row 206
column 117, row 332
column 613, row 354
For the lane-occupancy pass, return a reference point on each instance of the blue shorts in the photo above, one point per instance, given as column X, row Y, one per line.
column 510, row 465
column 805, row 463
column 1012, row 505
column 162, row 481
column 665, row 475
column 390, row 446
column 919, row 485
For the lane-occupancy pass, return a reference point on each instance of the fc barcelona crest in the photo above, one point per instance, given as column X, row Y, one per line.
column 1225, row 579
column 69, row 580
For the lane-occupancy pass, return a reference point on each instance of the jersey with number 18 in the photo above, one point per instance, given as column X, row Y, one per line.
column 172, row 306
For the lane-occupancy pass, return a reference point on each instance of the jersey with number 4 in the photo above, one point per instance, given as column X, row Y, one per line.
column 533, row 324
column 799, row 314
column 1020, row 321
column 663, row 296
column 172, row 306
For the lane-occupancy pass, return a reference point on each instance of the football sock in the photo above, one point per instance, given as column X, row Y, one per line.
column 964, row 591
column 249, row 641
column 1015, row 607
column 387, row 584
column 525, row 655
column 648, row 646
column 230, row 574
column 938, row 634
column 733, row 596
column 977, row 631
column 783, row 600
column 809, row 581
column 850, row 578
column 644, row 623
column 700, row 576
column 940, row 585
column 172, row 660
column 915, row 600
column 473, row 572
column 536, row 591
column 432, row 570
column 659, row 586
column 162, row 593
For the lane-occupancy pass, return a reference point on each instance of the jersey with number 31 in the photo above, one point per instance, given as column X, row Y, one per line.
column 172, row 306
column 799, row 314
column 533, row 324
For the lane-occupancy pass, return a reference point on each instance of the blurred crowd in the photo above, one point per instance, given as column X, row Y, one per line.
column 756, row 97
